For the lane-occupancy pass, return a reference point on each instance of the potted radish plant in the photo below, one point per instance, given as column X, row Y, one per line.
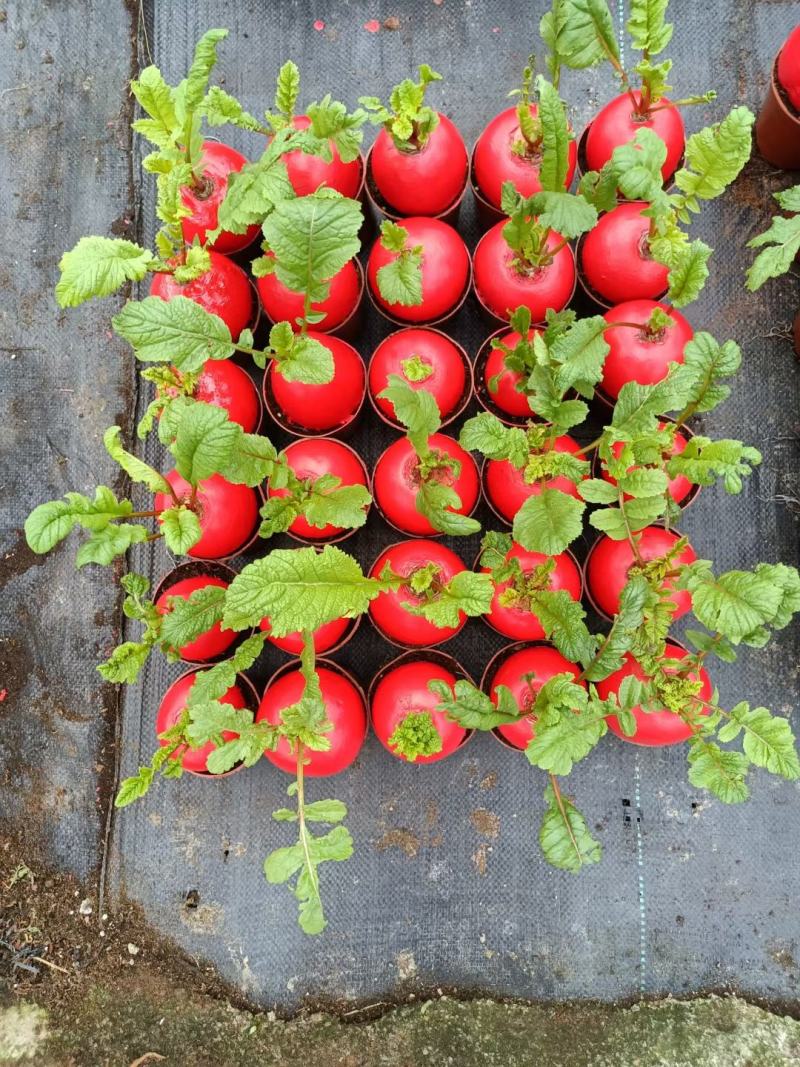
column 778, row 126
column 418, row 273
column 527, row 585
column 644, row 339
column 182, row 620
column 319, row 148
column 425, row 593
column 581, row 35
column 424, row 359
column 200, row 512
column 527, row 260
column 511, row 149
column 404, row 710
column 418, row 163
column 198, row 714
column 424, row 483
column 780, row 245
column 638, row 249
column 218, row 381
column 318, row 491
column 504, row 363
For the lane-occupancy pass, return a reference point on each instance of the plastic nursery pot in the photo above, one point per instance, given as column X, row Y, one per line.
column 503, row 669
column 396, row 625
column 381, row 207
column 398, row 689
column 328, row 638
column 345, row 708
column 654, row 729
column 183, row 580
column 227, row 501
column 618, row 244
column 218, row 161
column 444, row 253
column 778, row 126
column 614, row 559
column 494, row 280
column 520, row 624
column 341, row 400
column 682, row 491
column 484, row 371
column 225, row 384
column 500, row 475
column 347, row 290
column 396, row 467
column 451, row 385
column 308, row 459
column 487, row 213
column 242, row 694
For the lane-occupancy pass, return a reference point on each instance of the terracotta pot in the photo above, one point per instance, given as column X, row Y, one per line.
column 381, row 208
column 469, row 386
column 778, row 127
column 196, row 569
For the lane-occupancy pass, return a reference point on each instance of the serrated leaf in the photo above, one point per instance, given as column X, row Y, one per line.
column 721, row 772
column 99, row 266
column 306, row 360
column 133, row 788
column 588, row 35
column 125, row 662
column 555, row 137
column 562, row 620
column 105, row 545
column 50, row 523
column 564, row 837
column 177, row 331
column 416, row 409
column 768, row 741
column 254, row 191
column 687, row 276
column 715, row 156
column 548, row 522
column 441, row 505
column 647, row 26
column 473, row 709
column 136, row 469
column 559, row 744
column 416, row 735
column 783, row 241
column 203, row 61
column 189, row 617
column 204, row 441
column 345, row 506
column 181, row 529
column 738, row 603
column 466, row 592
column 156, row 99
column 400, row 280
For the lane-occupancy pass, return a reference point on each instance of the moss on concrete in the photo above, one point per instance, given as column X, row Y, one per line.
column 185, row 1029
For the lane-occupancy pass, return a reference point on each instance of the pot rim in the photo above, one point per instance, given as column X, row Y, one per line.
column 469, row 384
column 381, row 206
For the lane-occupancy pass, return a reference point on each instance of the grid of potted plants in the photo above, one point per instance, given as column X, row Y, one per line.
column 200, row 338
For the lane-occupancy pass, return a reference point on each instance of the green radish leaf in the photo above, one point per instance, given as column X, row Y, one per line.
column 99, row 266
column 181, row 529
column 189, row 617
column 722, row 773
column 400, row 280
column 50, row 523
column 415, row 735
column 136, row 469
column 564, row 836
column 469, row 706
column 408, row 120
column 345, row 506
column 222, row 109
column 562, row 620
column 739, row 604
column 441, row 504
column 649, row 30
column 714, row 158
column 125, row 662
column 555, row 138
column 416, row 409
column 133, row 788
column 287, row 90
column 704, row 460
column 177, row 331
column 548, row 522
column 105, row 545
column 205, row 57
column 588, row 36
column 156, row 99
column 688, row 273
column 782, row 240
column 768, row 740
column 204, row 441
column 254, row 191
column 485, row 433
column 466, row 592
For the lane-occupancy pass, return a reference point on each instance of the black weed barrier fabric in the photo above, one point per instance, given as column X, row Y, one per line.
column 447, row 887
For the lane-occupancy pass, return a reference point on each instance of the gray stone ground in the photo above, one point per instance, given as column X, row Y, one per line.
column 176, row 1028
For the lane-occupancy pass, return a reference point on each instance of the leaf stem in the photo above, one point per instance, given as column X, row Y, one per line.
column 563, row 813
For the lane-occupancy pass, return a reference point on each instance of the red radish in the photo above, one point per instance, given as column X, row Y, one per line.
column 217, row 161
column 501, row 287
column 609, row 562
column 654, row 728
column 789, row 68
column 311, row 458
column 172, row 706
column 506, row 488
column 517, row 620
column 344, row 708
column 304, row 408
column 619, row 121
column 228, row 513
column 307, row 172
column 283, row 304
column 386, row 611
column 397, row 482
column 641, row 354
column 501, row 383
column 223, row 290
column 496, row 159
column 214, row 641
column 679, row 487
column 402, row 691
column 524, row 672
column 425, row 359
column 326, row 637
column 445, row 271
column 614, row 258
column 227, row 386
column 423, row 181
